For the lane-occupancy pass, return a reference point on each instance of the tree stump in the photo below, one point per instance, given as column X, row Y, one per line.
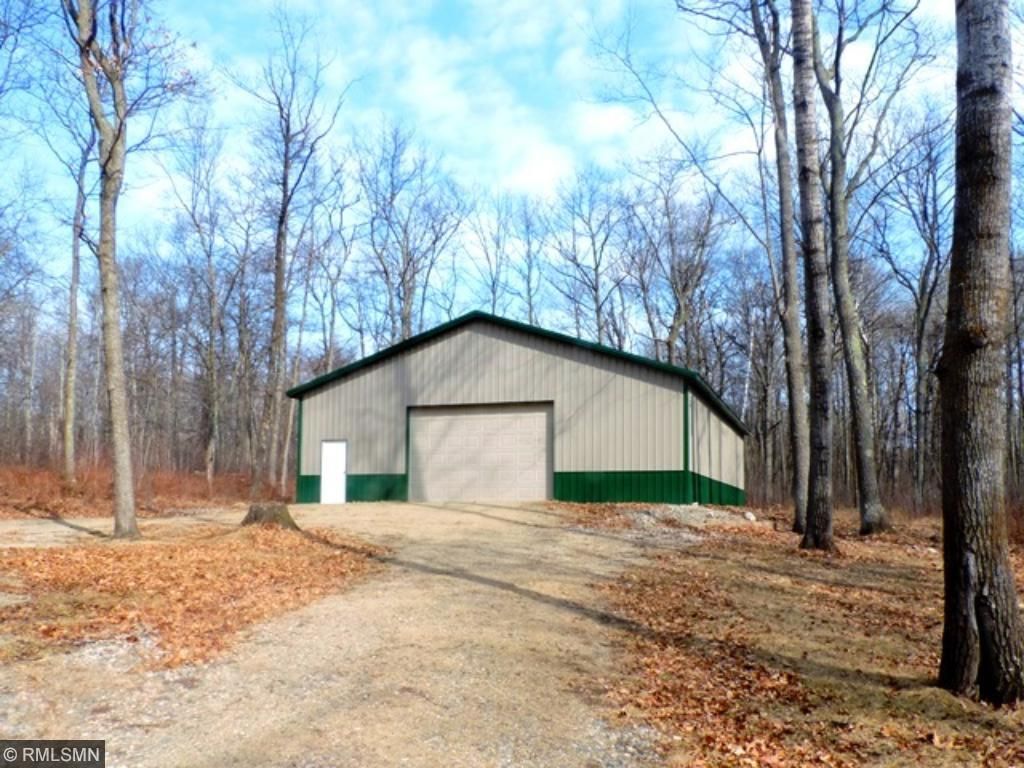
column 271, row 513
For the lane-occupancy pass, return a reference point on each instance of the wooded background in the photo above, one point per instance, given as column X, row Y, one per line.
column 325, row 245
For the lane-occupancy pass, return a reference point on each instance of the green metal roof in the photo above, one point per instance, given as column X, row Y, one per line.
column 691, row 377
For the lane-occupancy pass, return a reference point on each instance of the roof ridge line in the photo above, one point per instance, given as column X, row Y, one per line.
column 413, row 341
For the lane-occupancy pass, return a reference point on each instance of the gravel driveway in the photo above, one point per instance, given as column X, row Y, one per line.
column 468, row 650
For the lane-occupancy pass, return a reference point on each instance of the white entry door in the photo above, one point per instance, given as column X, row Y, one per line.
column 333, row 468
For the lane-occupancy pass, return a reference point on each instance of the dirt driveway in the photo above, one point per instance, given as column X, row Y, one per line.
column 466, row 651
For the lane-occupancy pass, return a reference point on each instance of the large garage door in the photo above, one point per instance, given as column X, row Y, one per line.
column 480, row 453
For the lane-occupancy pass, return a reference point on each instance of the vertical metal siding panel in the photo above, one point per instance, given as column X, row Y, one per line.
column 645, row 417
column 609, row 414
column 614, row 384
column 630, row 415
column 742, row 454
column 570, row 457
column 692, row 436
column 562, row 410
column 737, row 461
column 693, row 432
column 663, row 457
column 309, row 408
column 728, row 450
column 715, row 464
column 606, row 420
column 721, row 450
column 709, row 454
column 724, row 452
column 479, row 378
column 624, row 385
column 626, row 407
column 421, row 367
column 697, row 430
column 591, row 408
column 705, row 441
column 512, row 379
column 657, row 452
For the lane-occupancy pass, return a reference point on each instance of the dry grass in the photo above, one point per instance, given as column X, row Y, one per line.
column 40, row 492
column 192, row 591
column 748, row 651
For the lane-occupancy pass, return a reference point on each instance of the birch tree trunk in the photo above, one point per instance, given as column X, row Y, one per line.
column 818, row 532
column 771, row 48
column 983, row 639
column 71, row 355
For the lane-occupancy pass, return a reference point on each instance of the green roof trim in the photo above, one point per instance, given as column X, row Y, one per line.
column 693, row 378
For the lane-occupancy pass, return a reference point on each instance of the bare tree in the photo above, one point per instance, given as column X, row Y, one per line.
column 896, row 52
column 528, row 265
column 983, row 637
column 65, row 108
column 768, row 30
column 300, row 115
column 818, row 532
column 339, row 231
column 584, row 228
column 414, row 211
column 918, row 197
column 491, row 231
column 761, row 22
column 122, row 74
column 668, row 246
column 18, row 18
column 195, row 184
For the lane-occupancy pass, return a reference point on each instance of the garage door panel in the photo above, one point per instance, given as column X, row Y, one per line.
column 473, row 453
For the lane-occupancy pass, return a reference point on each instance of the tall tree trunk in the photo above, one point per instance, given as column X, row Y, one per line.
column 872, row 513
column 296, row 367
column 112, row 172
column 771, row 55
column 920, row 422
column 213, row 378
column 112, row 132
column 983, row 639
column 28, row 416
column 272, row 417
column 869, row 500
column 818, row 533
column 71, row 359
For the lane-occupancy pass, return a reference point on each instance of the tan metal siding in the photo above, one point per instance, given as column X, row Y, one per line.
column 716, row 449
column 609, row 414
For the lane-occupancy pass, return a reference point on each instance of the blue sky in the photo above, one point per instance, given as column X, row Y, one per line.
column 510, row 92
column 513, row 93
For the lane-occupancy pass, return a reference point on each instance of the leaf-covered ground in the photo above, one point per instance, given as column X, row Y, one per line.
column 27, row 492
column 747, row 651
column 191, row 592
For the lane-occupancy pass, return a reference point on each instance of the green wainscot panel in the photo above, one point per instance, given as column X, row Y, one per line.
column 654, row 486
column 376, row 488
column 710, row 491
column 307, row 489
column 667, row 487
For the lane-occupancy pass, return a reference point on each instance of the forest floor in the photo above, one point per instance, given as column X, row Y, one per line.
column 749, row 651
column 590, row 635
column 477, row 642
column 33, row 492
